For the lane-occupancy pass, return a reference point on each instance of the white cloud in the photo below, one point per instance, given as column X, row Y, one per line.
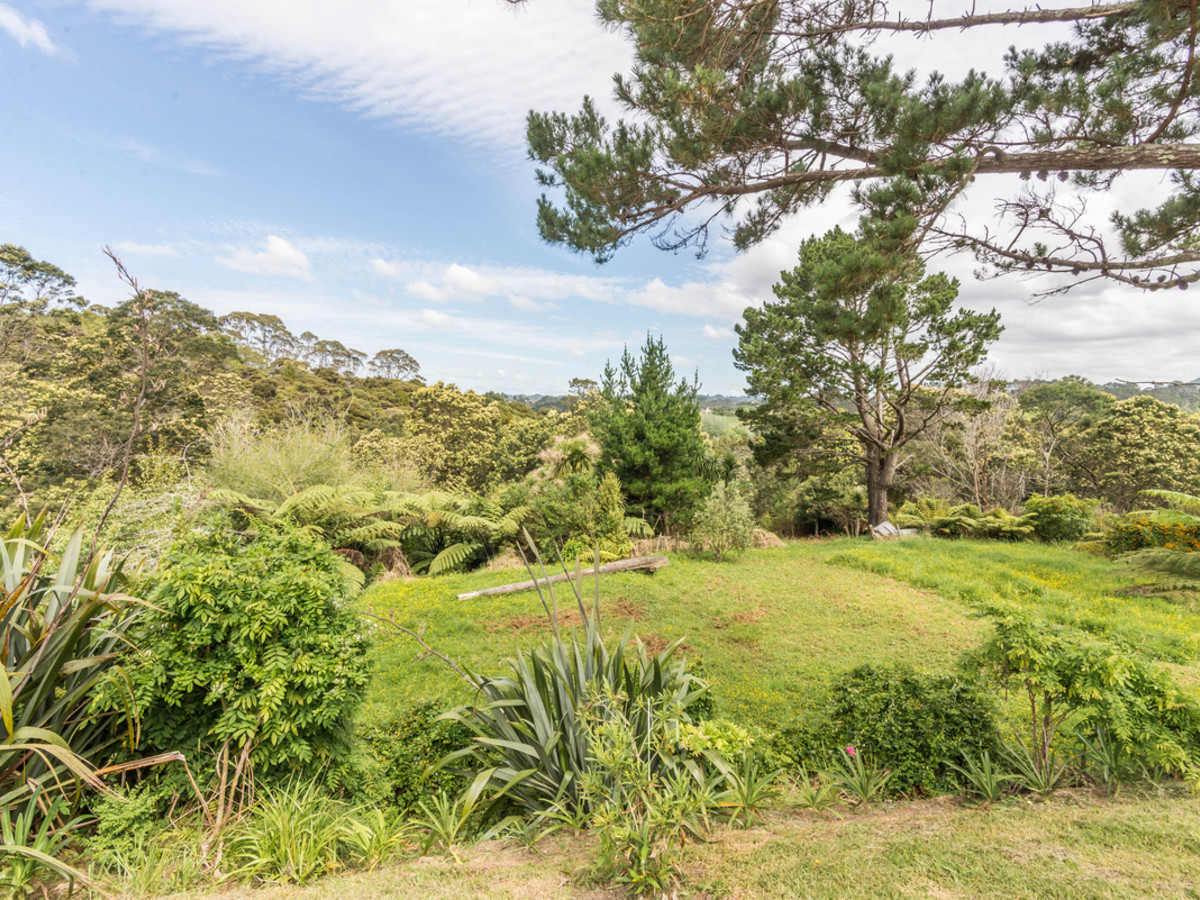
column 527, row 305
column 437, row 320
column 461, row 68
column 385, row 268
column 166, row 251
column 718, row 334
column 26, row 32
column 280, row 257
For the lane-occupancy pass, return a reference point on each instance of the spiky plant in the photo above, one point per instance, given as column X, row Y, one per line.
column 533, row 726
column 62, row 621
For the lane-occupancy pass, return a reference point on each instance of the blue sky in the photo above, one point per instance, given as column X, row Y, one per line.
column 358, row 169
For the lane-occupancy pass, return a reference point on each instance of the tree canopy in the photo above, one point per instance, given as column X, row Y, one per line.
column 777, row 102
column 854, row 344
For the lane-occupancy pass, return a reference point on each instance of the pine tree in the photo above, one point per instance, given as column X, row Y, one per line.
column 649, row 434
column 780, row 101
column 855, row 344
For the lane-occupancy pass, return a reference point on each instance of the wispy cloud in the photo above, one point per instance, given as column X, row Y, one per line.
column 279, row 257
column 166, row 159
column 461, row 68
column 130, row 248
column 26, row 32
column 718, row 334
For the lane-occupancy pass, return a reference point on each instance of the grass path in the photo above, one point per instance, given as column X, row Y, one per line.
column 1077, row 846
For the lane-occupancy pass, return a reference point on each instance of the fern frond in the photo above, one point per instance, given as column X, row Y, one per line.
column 453, row 557
column 1185, row 503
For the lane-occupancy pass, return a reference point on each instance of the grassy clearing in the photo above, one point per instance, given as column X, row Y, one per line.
column 1075, row 846
column 772, row 628
column 1058, row 583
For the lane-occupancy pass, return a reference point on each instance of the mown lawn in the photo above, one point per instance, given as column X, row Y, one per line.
column 771, row 628
column 1058, row 583
column 1076, row 846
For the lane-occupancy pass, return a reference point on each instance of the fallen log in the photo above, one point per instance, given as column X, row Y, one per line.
column 637, row 564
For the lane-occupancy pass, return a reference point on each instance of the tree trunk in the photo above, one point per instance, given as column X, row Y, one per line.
column 881, row 471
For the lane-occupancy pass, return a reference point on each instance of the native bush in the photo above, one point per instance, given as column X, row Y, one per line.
column 724, row 525
column 246, row 645
column 1073, row 680
column 918, row 726
column 943, row 519
column 1062, row 517
column 407, row 745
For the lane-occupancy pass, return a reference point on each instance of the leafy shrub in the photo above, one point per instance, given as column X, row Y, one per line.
column 407, row 745
column 724, row 524
column 247, row 644
column 917, row 726
column 1138, row 531
column 1095, row 688
column 726, row 738
column 1063, row 517
column 942, row 519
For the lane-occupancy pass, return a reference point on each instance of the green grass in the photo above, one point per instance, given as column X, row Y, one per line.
column 1074, row 847
column 772, row 628
column 1058, row 583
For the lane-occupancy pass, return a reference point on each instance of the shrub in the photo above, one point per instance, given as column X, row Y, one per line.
column 246, row 645
column 1063, row 517
column 1141, row 532
column 917, row 726
column 407, row 745
column 724, row 524
column 1074, row 679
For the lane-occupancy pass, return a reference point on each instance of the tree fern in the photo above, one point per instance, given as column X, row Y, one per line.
column 1180, row 569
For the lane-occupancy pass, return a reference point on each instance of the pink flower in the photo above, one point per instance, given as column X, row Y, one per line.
column 851, row 752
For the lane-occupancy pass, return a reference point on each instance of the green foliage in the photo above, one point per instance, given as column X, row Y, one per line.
column 1071, row 678
column 917, row 726
column 246, row 643
column 32, row 844
column 835, row 354
column 760, row 110
column 63, row 625
column 1064, row 517
column 295, row 833
column 532, row 726
column 408, row 746
column 858, row 776
column 728, row 739
column 724, row 525
column 1140, row 445
column 943, row 519
column 981, row 778
column 649, row 435
column 1164, row 541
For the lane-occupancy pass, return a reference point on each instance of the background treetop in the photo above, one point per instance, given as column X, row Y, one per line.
column 780, row 101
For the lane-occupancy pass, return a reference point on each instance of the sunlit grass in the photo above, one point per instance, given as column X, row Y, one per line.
column 771, row 629
column 1060, row 584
